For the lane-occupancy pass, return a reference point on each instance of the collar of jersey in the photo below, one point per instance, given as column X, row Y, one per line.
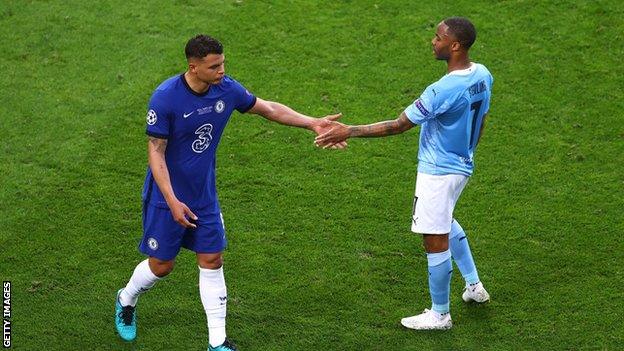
column 188, row 87
column 464, row 72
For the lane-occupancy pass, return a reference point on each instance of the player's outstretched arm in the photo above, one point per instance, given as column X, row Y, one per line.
column 156, row 156
column 341, row 132
column 280, row 113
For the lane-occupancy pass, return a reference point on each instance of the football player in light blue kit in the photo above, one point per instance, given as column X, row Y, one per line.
column 185, row 120
column 451, row 113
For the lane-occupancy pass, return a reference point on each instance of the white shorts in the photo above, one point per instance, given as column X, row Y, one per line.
column 435, row 199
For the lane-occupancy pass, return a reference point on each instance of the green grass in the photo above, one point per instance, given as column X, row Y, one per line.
column 320, row 253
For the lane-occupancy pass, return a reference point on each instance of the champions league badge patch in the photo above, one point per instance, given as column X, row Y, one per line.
column 151, row 117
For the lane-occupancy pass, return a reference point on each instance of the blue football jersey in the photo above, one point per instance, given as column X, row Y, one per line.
column 192, row 123
column 450, row 112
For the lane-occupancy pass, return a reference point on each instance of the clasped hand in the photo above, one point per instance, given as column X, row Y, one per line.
column 331, row 133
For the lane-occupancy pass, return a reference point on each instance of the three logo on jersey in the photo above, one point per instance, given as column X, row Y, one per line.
column 204, row 136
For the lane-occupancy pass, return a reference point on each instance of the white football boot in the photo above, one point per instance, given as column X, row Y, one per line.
column 476, row 293
column 428, row 320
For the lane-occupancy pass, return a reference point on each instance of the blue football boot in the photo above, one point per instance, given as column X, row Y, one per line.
column 125, row 320
column 226, row 346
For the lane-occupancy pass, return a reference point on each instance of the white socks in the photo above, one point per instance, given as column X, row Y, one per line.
column 211, row 289
column 214, row 298
column 142, row 280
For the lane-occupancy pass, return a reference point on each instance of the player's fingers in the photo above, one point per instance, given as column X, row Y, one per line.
column 334, row 117
column 321, row 143
column 188, row 212
column 337, row 146
column 328, row 146
column 188, row 224
column 323, row 137
column 185, row 222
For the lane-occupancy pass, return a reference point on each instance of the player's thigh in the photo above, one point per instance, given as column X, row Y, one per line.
column 434, row 202
column 209, row 236
column 162, row 235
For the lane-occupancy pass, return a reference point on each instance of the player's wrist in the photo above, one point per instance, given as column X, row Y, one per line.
column 353, row 131
column 170, row 199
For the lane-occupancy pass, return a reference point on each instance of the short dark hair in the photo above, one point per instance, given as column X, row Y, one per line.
column 463, row 30
column 202, row 45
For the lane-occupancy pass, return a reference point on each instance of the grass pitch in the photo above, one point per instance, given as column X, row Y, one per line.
column 320, row 253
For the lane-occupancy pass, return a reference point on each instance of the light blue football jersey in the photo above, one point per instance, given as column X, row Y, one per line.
column 450, row 112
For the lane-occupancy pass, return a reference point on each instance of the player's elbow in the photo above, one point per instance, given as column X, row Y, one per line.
column 272, row 110
column 403, row 126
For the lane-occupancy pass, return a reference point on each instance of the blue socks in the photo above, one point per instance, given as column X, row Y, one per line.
column 461, row 253
column 440, row 270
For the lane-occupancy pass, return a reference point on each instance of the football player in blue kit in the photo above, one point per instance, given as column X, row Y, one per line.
column 451, row 113
column 186, row 117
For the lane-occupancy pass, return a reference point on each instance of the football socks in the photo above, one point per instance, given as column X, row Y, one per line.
column 214, row 298
column 461, row 253
column 440, row 270
column 142, row 280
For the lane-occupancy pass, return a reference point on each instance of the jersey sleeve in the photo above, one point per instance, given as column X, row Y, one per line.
column 429, row 105
column 491, row 80
column 244, row 99
column 158, row 116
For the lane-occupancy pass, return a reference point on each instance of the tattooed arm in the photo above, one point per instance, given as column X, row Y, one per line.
column 156, row 156
column 341, row 132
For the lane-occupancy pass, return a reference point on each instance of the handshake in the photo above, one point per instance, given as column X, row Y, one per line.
column 330, row 133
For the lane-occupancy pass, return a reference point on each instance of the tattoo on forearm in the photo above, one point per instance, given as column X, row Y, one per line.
column 377, row 129
column 159, row 145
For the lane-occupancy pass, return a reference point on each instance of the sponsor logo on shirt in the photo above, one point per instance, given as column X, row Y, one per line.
column 204, row 138
column 421, row 108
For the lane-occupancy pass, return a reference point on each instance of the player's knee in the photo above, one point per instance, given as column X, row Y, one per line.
column 435, row 243
column 161, row 268
column 210, row 261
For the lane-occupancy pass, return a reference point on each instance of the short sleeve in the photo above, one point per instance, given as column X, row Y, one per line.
column 426, row 107
column 158, row 117
column 244, row 99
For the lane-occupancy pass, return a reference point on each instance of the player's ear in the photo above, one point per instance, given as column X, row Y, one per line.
column 455, row 46
column 192, row 64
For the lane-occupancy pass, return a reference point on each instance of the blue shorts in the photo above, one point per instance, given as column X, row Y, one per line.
column 163, row 236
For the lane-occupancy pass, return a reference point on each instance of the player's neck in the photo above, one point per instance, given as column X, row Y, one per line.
column 458, row 63
column 195, row 84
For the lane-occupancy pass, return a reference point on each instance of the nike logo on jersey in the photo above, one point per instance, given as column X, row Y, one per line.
column 188, row 114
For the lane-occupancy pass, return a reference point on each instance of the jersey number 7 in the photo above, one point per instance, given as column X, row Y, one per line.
column 474, row 132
